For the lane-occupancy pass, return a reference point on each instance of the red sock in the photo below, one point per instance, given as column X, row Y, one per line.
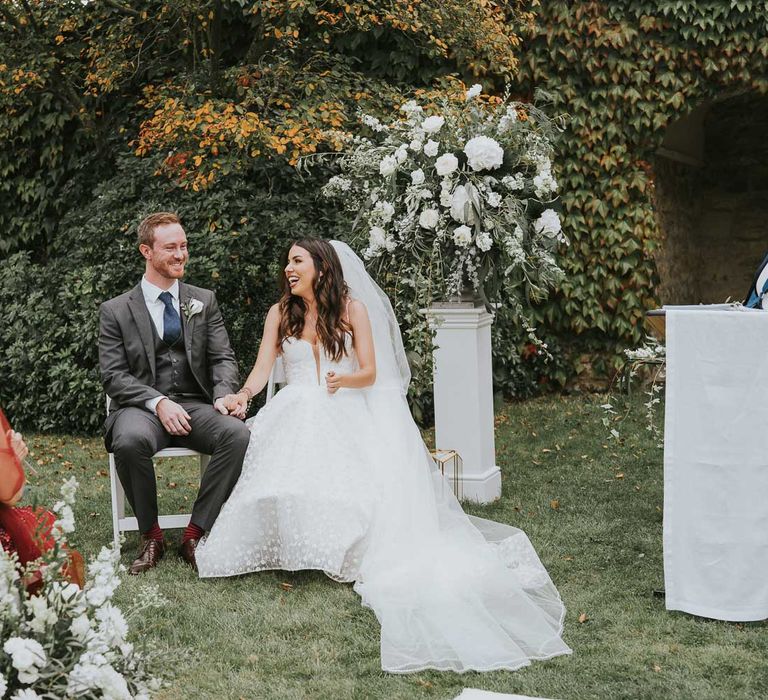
column 154, row 533
column 192, row 532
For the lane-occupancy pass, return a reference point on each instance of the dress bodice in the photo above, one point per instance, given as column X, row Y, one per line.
column 301, row 365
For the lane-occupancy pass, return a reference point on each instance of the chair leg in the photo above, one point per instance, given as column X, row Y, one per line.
column 118, row 500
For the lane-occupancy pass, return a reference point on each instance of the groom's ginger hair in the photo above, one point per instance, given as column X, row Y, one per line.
column 150, row 223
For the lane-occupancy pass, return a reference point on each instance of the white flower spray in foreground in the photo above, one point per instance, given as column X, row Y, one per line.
column 64, row 642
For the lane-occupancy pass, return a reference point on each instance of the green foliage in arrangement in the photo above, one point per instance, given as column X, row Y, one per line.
column 624, row 72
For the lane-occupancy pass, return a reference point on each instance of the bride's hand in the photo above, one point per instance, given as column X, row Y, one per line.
column 333, row 382
column 234, row 404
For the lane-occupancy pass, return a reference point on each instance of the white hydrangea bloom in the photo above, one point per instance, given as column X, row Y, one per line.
column 387, row 166
column 417, row 177
column 27, row 657
column 377, row 237
column 473, row 92
column 548, row 224
column 431, row 125
column 446, row 164
column 431, row 148
column 484, row 241
column 544, row 184
column 462, row 236
column 429, row 218
column 484, row 153
column 415, row 145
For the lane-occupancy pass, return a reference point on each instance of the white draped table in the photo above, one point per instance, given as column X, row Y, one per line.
column 716, row 463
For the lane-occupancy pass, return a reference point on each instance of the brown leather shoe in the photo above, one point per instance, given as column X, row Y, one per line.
column 150, row 553
column 188, row 552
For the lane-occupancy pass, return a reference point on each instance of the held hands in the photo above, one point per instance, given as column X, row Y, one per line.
column 174, row 418
column 333, row 381
column 233, row 405
column 18, row 445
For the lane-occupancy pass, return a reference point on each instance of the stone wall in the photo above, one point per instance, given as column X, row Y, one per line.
column 714, row 217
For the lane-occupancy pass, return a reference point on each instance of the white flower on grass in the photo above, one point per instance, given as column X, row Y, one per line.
column 548, row 224
column 429, row 218
column 446, row 164
column 24, row 694
column 462, row 209
column 484, row 153
column 431, row 147
column 42, row 615
column 68, row 490
column 415, row 145
column 484, row 241
column 462, row 236
column 473, row 92
column 493, row 199
column 513, row 182
column 417, row 177
column 80, row 627
column 112, row 625
column 383, row 212
column 388, row 165
column 377, row 237
column 27, row 657
column 431, row 125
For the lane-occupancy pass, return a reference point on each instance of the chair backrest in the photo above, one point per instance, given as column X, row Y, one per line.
column 276, row 376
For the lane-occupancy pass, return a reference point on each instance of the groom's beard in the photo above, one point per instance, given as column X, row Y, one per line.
column 169, row 268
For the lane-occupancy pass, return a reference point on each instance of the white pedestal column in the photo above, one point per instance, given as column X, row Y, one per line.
column 464, row 396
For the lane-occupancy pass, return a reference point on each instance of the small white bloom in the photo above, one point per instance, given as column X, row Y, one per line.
column 377, row 237
column 446, row 164
column 415, row 145
column 429, row 218
column 68, row 491
column 388, row 165
column 493, row 199
column 383, row 212
column 544, row 184
column 484, row 153
column 484, row 241
column 3, row 685
column 80, row 627
column 401, row 155
column 431, row 125
column 417, row 177
column 431, row 147
column 462, row 236
column 548, row 223
column 462, row 209
column 112, row 625
column 474, row 91
column 373, row 123
column 509, row 118
column 42, row 615
column 513, row 182
column 411, row 108
column 24, row 694
column 27, row 657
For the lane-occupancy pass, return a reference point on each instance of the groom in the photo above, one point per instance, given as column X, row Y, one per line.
column 166, row 363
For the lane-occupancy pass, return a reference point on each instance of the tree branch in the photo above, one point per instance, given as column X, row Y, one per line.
column 122, row 8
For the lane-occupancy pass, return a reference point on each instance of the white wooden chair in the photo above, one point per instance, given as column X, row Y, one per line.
column 122, row 523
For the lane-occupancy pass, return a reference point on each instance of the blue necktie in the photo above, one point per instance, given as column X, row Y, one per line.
column 171, row 320
column 755, row 299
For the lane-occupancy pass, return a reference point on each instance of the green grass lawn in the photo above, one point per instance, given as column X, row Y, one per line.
column 593, row 510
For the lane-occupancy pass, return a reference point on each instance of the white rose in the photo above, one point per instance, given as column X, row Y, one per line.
column 474, row 91
column 377, row 237
column 383, row 211
column 431, row 147
column 446, row 164
column 417, row 177
column 387, row 166
column 431, row 125
column 484, row 241
column 548, row 223
column 415, row 145
column 24, row 694
column 27, row 657
column 429, row 218
column 484, row 153
column 462, row 236
column 401, row 155
column 544, row 184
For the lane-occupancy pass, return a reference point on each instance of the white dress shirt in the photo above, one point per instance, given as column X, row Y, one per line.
column 156, row 310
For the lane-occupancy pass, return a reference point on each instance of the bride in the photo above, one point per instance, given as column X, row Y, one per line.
column 337, row 478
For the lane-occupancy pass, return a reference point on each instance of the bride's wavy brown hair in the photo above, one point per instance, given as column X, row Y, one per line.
column 331, row 294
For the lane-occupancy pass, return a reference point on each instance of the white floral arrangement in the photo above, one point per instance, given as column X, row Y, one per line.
column 459, row 201
column 64, row 642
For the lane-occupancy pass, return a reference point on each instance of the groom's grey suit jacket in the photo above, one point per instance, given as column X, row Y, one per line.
column 127, row 349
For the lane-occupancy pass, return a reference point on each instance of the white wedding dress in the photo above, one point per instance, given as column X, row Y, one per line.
column 343, row 483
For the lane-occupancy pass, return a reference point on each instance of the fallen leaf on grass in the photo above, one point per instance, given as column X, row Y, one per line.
column 102, row 472
column 554, row 504
column 620, row 475
column 423, row 684
column 171, row 484
column 568, row 558
column 546, row 450
column 583, row 618
column 656, row 668
column 286, row 586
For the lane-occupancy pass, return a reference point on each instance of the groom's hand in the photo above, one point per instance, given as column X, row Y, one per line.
column 173, row 417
